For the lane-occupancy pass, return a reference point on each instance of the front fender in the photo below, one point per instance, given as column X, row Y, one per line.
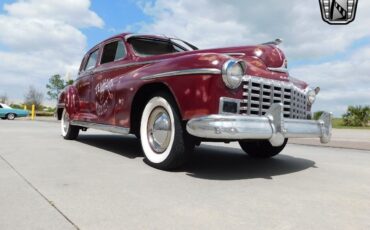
column 71, row 100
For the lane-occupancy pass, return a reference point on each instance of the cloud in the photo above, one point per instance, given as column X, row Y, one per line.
column 211, row 23
column 40, row 38
column 217, row 23
column 343, row 82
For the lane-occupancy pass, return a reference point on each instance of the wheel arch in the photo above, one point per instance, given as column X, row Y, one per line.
column 143, row 94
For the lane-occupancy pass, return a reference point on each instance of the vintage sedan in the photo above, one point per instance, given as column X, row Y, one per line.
column 173, row 96
column 7, row 112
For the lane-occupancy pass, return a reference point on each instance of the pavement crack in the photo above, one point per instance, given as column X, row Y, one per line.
column 39, row 192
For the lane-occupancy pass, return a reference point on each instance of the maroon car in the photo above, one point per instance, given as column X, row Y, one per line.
column 173, row 96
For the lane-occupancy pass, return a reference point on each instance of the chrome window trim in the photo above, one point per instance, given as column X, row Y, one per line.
column 128, row 36
column 88, row 58
column 183, row 72
column 159, row 38
column 109, row 42
column 109, row 128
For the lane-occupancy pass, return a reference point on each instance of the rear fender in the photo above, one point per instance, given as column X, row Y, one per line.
column 71, row 101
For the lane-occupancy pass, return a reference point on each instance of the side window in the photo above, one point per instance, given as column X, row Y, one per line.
column 91, row 62
column 113, row 52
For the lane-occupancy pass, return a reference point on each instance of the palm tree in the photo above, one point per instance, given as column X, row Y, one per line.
column 357, row 116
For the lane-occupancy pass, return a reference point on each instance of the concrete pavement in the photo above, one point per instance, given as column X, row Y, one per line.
column 101, row 182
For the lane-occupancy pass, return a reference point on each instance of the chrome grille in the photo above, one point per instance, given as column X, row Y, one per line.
column 260, row 93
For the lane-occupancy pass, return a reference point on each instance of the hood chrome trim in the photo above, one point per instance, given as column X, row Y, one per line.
column 280, row 69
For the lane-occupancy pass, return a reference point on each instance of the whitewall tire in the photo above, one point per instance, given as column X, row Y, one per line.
column 69, row 132
column 163, row 138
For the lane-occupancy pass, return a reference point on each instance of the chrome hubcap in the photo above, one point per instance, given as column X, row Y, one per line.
column 159, row 130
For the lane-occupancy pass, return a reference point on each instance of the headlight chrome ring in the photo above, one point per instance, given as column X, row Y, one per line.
column 311, row 96
column 233, row 72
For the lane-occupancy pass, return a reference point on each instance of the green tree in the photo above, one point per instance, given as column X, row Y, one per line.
column 357, row 116
column 56, row 85
column 317, row 115
column 33, row 97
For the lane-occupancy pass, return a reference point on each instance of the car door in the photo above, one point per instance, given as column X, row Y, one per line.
column 83, row 84
column 111, row 65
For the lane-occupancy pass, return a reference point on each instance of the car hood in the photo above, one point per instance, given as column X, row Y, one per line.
column 266, row 60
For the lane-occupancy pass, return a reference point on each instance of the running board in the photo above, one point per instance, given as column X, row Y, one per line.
column 109, row 128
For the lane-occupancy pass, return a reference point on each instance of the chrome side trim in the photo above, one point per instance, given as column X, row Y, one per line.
column 109, row 128
column 183, row 72
column 235, row 54
column 280, row 69
column 272, row 127
column 103, row 69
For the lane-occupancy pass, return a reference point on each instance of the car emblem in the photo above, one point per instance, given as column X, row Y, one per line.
column 338, row 12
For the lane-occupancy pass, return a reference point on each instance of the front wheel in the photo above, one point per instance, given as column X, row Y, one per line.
column 69, row 132
column 261, row 148
column 10, row 116
column 163, row 138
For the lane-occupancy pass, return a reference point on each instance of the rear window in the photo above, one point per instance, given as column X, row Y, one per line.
column 149, row 47
column 113, row 51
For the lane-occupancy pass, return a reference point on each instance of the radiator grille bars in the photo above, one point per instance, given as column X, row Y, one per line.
column 259, row 94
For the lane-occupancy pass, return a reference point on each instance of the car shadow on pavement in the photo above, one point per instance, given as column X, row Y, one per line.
column 221, row 163
column 208, row 162
column 127, row 146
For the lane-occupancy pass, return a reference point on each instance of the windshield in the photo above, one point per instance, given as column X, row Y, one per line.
column 154, row 46
column 5, row 106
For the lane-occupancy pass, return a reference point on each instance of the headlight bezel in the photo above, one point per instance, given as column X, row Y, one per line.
column 228, row 78
column 312, row 94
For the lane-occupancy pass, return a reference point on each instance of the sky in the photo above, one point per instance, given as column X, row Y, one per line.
column 39, row 38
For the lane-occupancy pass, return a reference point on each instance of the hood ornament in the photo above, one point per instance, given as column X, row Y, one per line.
column 276, row 42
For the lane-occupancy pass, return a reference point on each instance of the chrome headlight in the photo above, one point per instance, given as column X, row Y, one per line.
column 232, row 73
column 311, row 95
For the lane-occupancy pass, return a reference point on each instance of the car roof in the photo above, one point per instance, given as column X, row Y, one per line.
column 126, row 36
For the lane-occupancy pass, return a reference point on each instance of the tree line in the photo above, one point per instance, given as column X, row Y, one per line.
column 33, row 96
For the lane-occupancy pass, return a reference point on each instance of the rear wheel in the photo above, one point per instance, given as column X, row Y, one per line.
column 164, row 140
column 261, row 148
column 69, row 132
column 10, row 116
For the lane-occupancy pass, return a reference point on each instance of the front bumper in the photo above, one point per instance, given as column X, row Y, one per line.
column 272, row 126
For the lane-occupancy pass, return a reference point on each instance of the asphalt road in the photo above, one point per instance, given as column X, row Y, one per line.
column 101, row 182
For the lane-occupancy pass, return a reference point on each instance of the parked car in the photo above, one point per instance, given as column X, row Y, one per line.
column 7, row 112
column 173, row 96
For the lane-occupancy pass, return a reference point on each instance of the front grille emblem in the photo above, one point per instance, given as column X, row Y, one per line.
column 338, row 12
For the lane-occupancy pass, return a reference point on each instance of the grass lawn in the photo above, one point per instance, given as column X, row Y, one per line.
column 338, row 124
